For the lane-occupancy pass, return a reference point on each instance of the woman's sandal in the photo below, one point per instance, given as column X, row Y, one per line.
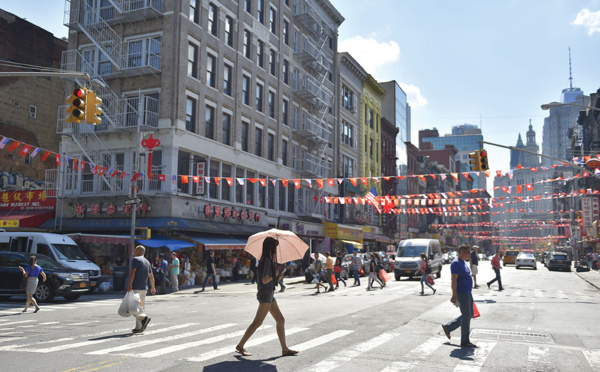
column 243, row 352
column 289, row 352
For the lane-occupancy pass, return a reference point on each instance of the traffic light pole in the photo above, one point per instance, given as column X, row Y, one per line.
column 543, row 156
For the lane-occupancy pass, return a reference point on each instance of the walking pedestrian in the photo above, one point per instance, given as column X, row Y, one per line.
column 319, row 273
column 337, row 270
column 356, row 265
column 253, row 263
column 267, row 276
column 595, row 261
column 31, row 275
column 474, row 262
column 211, row 271
column 425, row 270
column 139, row 274
column 174, row 267
column 164, row 271
column 497, row 267
column 462, row 284
column 329, row 271
column 373, row 274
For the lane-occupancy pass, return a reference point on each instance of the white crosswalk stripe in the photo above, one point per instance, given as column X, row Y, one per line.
column 321, row 340
column 100, row 341
column 593, row 358
column 538, row 293
column 160, row 340
column 252, row 342
column 561, row 294
column 582, row 296
column 411, row 359
column 537, row 354
column 480, row 355
column 347, row 355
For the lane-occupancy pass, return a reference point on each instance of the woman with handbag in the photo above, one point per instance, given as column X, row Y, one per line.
column 337, row 270
column 425, row 270
column 31, row 274
column 268, row 275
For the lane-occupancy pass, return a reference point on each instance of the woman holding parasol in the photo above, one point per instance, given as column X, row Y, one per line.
column 272, row 252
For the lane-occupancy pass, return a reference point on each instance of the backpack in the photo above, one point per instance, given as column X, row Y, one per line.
column 427, row 268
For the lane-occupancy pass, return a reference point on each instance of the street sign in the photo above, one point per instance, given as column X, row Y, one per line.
column 133, row 201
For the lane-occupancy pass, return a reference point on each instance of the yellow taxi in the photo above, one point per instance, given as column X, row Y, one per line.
column 510, row 257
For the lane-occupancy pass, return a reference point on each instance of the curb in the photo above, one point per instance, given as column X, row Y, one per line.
column 595, row 285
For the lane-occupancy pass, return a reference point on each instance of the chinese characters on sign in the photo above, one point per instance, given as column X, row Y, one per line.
column 200, row 167
column 111, row 209
column 26, row 200
column 230, row 213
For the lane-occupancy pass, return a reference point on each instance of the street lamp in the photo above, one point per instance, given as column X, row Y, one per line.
column 547, row 106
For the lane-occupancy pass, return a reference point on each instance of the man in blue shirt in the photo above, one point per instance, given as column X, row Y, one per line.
column 462, row 282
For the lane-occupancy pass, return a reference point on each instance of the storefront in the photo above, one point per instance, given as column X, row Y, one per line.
column 344, row 237
column 25, row 209
column 231, row 261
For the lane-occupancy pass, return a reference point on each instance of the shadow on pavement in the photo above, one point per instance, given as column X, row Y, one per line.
column 243, row 365
column 462, row 353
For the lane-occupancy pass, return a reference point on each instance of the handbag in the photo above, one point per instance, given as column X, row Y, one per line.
column 430, row 280
column 337, row 269
column 23, row 284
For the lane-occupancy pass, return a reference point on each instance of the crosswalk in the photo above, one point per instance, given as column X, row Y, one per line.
column 201, row 343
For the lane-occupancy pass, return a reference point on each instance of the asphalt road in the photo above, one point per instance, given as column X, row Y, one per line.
column 542, row 321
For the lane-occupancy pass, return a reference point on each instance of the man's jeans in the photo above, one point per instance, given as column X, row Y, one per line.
column 464, row 320
column 356, row 276
column 214, row 280
column 497, row 271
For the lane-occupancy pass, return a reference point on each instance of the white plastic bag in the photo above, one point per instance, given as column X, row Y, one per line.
column 131, row 304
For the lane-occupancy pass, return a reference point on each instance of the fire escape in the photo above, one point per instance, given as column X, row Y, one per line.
column 308, row 84
column 110, row 57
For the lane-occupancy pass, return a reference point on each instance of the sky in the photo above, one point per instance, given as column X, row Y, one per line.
column 488, row 63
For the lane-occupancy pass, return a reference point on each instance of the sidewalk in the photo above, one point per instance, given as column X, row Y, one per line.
column 592, row 277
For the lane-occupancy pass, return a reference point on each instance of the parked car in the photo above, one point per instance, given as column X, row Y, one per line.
column 407, row 257
column 510, row 257
column 60, row 281
column 558, row 261
column 525, row 259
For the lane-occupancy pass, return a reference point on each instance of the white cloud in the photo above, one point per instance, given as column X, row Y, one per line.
column 370, row 53
column 413, row 95
column 589, row 20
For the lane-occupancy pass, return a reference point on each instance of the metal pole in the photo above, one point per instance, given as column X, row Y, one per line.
column 138, row 145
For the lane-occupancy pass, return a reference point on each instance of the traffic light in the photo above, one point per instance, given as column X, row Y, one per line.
column 92, row 108
column 145, row 233
column 474, row 161
column 77, row 106
column 483, row 161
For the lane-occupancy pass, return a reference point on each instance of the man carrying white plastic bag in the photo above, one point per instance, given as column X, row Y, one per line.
column 140, row 272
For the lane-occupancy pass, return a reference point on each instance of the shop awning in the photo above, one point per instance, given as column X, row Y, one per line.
column 211, row 242
column 383, row 239
column 351, row 245
column 158, row 241
column 181, row 224
column 101, row 239
column 24, row 218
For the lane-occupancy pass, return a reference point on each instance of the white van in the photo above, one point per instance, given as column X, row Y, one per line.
column 61, row 248
column 408, row 257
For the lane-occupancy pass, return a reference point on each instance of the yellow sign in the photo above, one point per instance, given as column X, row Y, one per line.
column 341, row 232
column 9, row 223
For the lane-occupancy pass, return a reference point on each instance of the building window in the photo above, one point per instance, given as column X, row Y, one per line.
column 260, row 8
column 271, row 147
column 258, row 142
column 347, row 99
column 229, row 31
column 286, row 32
column 371, row 148
column 193, row 60
column 248, row 6
column 246, row 90
column 348, row 133
column 194, row 11
column 225, row 188
column 273, row 21
column 272, row 57
column 281, row 191
column 210, row 122
column 250, row 187
column 227, row 71
column 247, row 44
column 271, row 195
column 212, row 19
column 211, row 69
column 347, row 167
column 284, row 112
column 245, row 131
column 212, row 187
column 190, row 115
column 286, row 69
column 260, row 53
column 284, row 151
column 183, row 167
column 272, row 104
column 291, row 191
column 371, row 117
column 295, row 118
column 144, row 52
column 259, row 97
column 226, row 134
